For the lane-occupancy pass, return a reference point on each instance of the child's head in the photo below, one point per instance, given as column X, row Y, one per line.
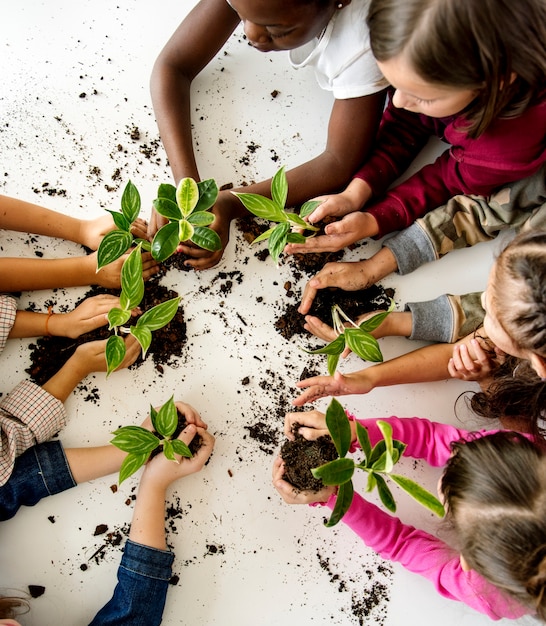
column 515, row 300
column 494, row 488
column 281, row 25
column 494, row 50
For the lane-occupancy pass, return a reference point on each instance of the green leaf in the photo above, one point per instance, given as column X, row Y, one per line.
column 343, row 502
column 386, row 431
column 131, row 464
column 160, row 315
column 206, row 238
column 277, row 240
column 335, row 472
column 265, row 235
column 168, row 450
column 167, row 208
column 185, row 230
column 308, row 207
column 420, row 494
column 144, row 244
column 120, row 220
column 153, row 416
column 144, row 337
column 363, row 439
column 297, row 221
column 363, row 344
column 168, row 191
column 130, row 202
column 376, row 452
column 167, row 418
column 279, row 188
column 181, row 448
column 382, row 463
column 134, row 439
column 373, row 322
column 385, row 494
column 187, row 195
column 132, row 283
column 334, row 347
column 331, row 363
column 201, row 218
column 295, row 238
column 339, row 427
column 165, row 241
column 372, row 482
column 260, row 206
column 112, row 246
column 115, row 353
column 118, row 317
column 398, row 449
column 208, row 193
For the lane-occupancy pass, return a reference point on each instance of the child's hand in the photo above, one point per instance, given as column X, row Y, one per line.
column 191, row 415
column 349, row 276
column 92, row 313
column 293, row 496
column 312, row 424
column 473, row 364
column 92, row 231
column 161, row 472
column 110, row 275
column 337, row 385
column 91, row 357
column 333, row 205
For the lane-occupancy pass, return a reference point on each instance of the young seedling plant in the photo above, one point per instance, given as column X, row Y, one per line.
column 187, row 209
column 273, row 209
column 132, row 292
column 378, row 462
column 139, row 442
column 356, row 337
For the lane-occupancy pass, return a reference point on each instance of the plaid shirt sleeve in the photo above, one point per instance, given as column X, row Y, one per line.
column 8, row 310
column 28, row 415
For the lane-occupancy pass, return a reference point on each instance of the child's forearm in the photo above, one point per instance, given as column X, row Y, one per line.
column 31, row 324
column 148, row 525
column 63, row 383
column 18, row 274
column 426, row 364
column 30, row 218
column 90, row 463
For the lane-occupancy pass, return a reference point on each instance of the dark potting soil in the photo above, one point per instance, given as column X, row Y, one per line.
column 49, row 354
column 301, row 455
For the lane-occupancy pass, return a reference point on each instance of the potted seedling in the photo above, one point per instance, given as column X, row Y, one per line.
column 273, row 209
column 187, row 209
column 132, row 292
column 356, row 337
column 140, row 443
column 378, row 463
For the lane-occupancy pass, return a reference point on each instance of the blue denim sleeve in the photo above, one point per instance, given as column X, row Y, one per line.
column 139, row 596
column 39, row 472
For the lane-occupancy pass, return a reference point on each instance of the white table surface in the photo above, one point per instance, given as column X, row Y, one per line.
column 74, row 83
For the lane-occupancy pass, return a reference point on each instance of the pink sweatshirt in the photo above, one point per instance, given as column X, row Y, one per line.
column 415, row 549
column 510, row 149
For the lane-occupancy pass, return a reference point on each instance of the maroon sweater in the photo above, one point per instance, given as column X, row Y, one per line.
column 509, row 150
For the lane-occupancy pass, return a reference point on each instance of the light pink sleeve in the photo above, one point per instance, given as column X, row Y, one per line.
column 424, row 554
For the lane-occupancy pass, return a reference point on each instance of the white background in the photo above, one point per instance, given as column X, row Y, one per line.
column 74, row 83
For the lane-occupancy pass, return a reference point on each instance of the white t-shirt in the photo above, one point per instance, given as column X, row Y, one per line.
column 342, row 57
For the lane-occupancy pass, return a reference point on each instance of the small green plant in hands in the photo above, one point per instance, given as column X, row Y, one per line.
column 139, row 442
column 187, row 209
column 356, row 337
column 273, row 209
column 378, row 462
column 132, row 292
column 116, row 243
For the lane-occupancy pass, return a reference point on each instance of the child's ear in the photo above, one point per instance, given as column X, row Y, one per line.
column 539, row 365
